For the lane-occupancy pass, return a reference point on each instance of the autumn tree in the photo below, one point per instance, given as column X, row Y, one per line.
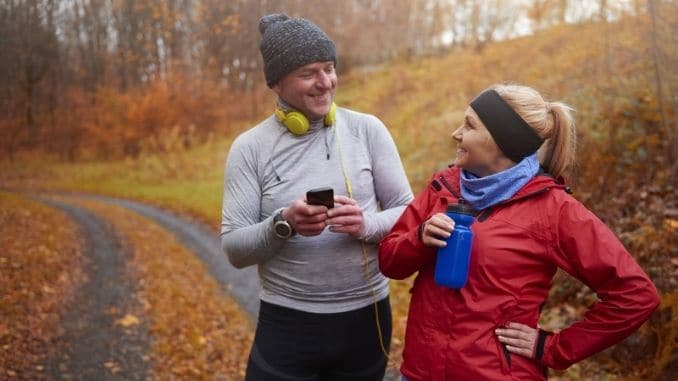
column 103, row 53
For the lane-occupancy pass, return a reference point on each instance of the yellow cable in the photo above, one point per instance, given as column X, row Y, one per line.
column 349, row 190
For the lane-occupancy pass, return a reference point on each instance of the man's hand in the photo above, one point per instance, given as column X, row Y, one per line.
column 346, row 217
column 306, row 220
column 436, row 230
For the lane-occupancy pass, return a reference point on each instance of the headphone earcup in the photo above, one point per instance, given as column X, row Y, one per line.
column 296, row 122
column 331, row 116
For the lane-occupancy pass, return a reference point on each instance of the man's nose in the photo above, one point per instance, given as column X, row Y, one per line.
column 324, row 80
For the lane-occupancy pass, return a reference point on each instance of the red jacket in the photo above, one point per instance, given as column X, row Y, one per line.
column 517, row 247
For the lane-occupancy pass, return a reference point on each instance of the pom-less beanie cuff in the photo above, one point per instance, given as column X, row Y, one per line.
column 288, row 44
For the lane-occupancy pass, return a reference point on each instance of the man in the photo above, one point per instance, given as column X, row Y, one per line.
column 325, row 313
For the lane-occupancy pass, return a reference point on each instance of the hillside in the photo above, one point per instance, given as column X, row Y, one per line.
column 588, row 66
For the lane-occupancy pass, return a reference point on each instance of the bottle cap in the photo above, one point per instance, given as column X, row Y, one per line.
column 461, row 208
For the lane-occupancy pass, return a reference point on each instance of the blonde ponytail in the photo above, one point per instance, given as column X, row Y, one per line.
column 558, row 152
column 552, row 121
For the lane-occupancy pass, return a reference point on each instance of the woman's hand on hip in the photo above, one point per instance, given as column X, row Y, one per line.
column 519, row 338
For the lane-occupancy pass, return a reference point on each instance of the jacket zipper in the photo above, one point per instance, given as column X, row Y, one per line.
column 449, row 187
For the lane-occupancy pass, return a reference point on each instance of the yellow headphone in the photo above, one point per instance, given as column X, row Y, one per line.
column 297, row 122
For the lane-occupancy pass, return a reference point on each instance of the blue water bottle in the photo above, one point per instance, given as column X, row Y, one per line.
column 453, row 260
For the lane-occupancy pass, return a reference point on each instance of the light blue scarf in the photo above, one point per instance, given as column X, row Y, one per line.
column 483, row 192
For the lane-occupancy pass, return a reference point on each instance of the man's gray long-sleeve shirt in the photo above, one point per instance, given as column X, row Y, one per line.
column 268, row 168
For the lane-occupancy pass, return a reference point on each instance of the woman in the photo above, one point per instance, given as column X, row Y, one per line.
column 527, row 226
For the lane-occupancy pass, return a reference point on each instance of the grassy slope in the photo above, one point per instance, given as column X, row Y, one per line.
column 423, row 101
column 188, row 182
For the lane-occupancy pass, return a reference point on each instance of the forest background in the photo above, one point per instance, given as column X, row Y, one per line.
column 141, row 99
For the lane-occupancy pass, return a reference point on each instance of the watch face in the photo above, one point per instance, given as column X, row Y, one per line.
column 282, row 229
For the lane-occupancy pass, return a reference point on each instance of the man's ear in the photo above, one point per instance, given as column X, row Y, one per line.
column 276, row 88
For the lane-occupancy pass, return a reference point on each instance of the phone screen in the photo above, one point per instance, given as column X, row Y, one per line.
column 321, row 196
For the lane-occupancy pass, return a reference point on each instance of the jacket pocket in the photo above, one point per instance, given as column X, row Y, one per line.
column 504, row 357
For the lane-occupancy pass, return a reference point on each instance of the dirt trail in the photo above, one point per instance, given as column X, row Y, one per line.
column 242, row 284
column 93, row 346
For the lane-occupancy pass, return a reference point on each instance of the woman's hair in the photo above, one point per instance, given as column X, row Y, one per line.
column 552, row 121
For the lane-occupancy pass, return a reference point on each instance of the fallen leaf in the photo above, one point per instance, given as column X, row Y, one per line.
column 127, row 321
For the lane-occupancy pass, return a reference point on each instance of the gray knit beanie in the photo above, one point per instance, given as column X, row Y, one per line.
column 288, row 44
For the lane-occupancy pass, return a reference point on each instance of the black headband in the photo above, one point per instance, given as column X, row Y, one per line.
column 513, row 135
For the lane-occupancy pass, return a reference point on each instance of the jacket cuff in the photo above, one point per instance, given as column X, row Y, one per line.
column 420, row 232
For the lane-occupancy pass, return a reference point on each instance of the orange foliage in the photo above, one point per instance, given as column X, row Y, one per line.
column 164, row 116
column 40, row 258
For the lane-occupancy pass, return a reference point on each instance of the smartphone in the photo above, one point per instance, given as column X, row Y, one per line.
column 321, row 196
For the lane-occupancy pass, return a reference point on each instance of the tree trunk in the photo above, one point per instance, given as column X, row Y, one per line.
column 652, row 7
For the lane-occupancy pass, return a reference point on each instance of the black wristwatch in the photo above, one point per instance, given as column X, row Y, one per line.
column 282, row 228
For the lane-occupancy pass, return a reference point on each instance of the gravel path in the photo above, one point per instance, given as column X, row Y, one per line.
column 93, row 346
